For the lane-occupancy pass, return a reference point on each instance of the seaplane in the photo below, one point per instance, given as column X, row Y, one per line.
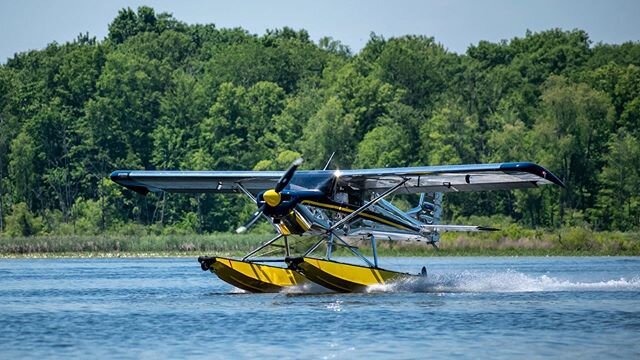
column 339, row 208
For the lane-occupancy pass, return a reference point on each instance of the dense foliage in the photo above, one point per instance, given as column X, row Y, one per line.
column 160, row 94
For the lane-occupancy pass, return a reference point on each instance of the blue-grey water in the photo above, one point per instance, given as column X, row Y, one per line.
column 469, row 307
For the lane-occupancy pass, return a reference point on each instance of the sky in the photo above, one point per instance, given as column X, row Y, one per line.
column 32, row 24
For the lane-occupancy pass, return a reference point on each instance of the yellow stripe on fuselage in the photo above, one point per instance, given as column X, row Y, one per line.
column 349, row 210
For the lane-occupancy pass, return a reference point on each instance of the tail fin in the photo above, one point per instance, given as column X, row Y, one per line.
column 429, row 212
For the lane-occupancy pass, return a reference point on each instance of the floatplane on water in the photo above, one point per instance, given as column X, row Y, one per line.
column 338, row 207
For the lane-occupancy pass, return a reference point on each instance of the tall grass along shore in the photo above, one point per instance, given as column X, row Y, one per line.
column 509, row 242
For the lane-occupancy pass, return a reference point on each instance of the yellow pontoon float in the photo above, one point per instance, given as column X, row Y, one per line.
column 251, row 276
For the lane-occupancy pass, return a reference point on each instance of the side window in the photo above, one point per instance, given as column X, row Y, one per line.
column 341, row 197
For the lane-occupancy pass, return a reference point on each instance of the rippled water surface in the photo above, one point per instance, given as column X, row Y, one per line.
column 532, row 307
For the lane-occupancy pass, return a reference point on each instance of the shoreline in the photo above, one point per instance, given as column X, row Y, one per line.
column 195, row 255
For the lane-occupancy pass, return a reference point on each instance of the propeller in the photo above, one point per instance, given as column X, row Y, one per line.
column 254, row 218
column 272, row 196
column 286, row 178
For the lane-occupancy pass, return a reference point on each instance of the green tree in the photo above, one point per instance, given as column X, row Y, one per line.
column 223, row 134
column 572, row 136
column 365, row 97
column 8, row 128
column 242, row 64
column 330, row 130
column 80, row 66
column 619, row 200
column 450, row 137
column 417, row 64
column 289, row 124
column 128, row 23
column 22, row 222
column 119, row 121
column 384, row 146
column 22, row 171
column 265, row 101
column 554, row 51
column 182, row 109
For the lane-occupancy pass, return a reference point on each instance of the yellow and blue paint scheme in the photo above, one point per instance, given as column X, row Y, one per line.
column 253, row 277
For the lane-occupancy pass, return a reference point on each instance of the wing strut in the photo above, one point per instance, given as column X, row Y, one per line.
column 246, row 192
column 375, row 250
column 351, row 248
column 330, row 246
column 354, row 250
column 262, row 247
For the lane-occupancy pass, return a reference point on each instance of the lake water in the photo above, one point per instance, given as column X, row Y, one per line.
column 468, row 307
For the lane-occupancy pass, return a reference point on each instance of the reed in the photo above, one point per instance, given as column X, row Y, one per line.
column 567, row 241
column 130, row 244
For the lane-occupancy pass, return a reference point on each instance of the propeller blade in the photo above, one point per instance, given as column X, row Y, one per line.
column 256, row 215
column 286, row 178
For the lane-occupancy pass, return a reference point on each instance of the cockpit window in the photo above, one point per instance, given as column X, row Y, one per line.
column 322, row 181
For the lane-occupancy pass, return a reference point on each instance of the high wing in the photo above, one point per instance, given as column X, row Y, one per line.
column 448, row 178
column 445, row 178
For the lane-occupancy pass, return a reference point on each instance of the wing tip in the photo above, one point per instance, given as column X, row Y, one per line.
column 534, row 169
column 122, row 177
column 487, row 228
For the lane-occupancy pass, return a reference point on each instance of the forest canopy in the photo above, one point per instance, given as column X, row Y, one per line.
column 157, row 93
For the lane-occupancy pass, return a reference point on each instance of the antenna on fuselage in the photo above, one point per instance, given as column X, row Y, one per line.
column 329, row 161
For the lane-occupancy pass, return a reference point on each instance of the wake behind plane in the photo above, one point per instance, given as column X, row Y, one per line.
column 339, row 207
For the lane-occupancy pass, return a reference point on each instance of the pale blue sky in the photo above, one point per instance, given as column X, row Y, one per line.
column 32, row 24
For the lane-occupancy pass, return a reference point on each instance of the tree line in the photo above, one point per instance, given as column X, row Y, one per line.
column 158, row 93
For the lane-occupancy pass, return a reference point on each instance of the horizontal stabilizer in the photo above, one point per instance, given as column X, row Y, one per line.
column 465, row 228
